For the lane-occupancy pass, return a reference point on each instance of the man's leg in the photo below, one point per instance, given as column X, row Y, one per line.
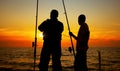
column 80, row 63
column 44, row 58
column 56, row 63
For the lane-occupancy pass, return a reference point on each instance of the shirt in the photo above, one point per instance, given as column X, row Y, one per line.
column 83, row 37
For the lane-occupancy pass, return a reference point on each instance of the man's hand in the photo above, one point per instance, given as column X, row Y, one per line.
column 70, row 33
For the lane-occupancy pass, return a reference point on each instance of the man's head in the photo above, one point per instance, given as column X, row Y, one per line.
column 81, row 19
column 54, row 14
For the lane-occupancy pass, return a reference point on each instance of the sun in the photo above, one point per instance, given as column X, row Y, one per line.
column 40, row 35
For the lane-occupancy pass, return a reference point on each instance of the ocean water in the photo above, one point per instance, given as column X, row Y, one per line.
column 22, row 59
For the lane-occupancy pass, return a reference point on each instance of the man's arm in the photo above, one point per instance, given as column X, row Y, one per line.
column 71, row 34
column 42, row 26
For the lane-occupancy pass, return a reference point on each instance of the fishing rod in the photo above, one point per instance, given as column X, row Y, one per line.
column 68, row 27
column 35, row 45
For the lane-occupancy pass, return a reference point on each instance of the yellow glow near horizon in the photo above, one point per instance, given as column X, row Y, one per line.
column 40, row 35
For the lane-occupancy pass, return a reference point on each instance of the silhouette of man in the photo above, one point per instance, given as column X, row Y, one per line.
column 80, row 63
column 52, row 31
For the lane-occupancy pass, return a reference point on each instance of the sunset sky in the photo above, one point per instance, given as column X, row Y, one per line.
column 17, row 21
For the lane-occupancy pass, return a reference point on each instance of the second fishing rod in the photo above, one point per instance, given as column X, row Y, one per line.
column 68, row 27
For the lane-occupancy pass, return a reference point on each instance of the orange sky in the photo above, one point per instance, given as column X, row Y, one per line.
column 17, row 21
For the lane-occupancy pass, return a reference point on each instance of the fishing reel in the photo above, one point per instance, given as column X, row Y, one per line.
column 70, row 49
